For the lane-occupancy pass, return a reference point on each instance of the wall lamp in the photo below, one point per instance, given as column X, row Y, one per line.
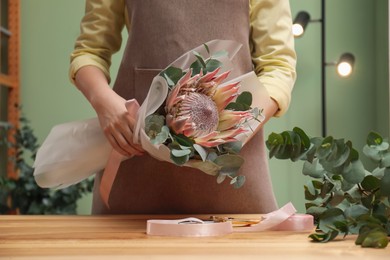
column 344, row 66
column 300, row 22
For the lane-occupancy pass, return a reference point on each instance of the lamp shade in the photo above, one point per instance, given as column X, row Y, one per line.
column 300, row 23
column 345, row 64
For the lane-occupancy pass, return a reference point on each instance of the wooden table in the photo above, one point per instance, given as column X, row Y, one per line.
column 123, row 237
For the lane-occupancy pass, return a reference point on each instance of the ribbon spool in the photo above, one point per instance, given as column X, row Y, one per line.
column 188, row 227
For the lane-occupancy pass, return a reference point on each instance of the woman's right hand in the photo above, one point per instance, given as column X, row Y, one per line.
column 116, row 122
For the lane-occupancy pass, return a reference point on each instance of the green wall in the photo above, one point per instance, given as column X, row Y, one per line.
column 356, row 105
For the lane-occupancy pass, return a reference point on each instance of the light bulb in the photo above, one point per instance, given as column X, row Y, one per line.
column 345, row 64
column 344, row 69
column 297, row 30
column 300, row 23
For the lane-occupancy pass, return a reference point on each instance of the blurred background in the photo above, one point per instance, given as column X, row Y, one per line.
column 354, row 105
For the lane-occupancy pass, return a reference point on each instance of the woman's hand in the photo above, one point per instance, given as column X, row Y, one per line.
column 116, row 122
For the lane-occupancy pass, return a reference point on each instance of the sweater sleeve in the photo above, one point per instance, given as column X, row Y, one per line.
column 100, row 36
column 273, row 53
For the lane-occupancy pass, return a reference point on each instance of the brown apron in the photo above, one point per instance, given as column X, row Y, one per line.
column 160, row 31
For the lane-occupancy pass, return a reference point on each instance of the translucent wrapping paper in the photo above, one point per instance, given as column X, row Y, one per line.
column 76, row 150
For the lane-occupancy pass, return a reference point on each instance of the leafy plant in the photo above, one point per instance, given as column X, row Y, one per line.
column 342, row 195
column 23, row 195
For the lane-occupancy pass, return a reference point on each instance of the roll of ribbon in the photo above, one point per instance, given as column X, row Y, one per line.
column 188, row 227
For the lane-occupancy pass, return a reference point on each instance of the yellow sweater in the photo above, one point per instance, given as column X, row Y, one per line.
column 273, row 53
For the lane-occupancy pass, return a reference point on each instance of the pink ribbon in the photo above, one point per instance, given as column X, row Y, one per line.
column 297, row 222
column 283, row 219
column 114, row 162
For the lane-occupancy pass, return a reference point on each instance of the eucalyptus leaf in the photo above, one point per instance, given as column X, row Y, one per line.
column 346, row 186
column 201, row 151
column 196, row 67
column 180, row 153
column 229, row 163
column 200, row 58
column 180, row 157
column 221, row 178
column 212, row 64
column 378, row 172
column 325, row 148
column 211, row 156
column 303, row 137
column 329, row 217
column 206, row 47
column 172, row 75
column 207, row 166
column 355, row 173
column 315, row 211
column 274, row 150
column 274, row 139
column 245, row 98
column 311, row 188
column 374, row 138
column 310, row 196
column 385, row 183
column 324, row 237
column 327, row 187
column 385, row 162
column 183, row 140
column 232, row 147
column 219, row 54
column 355, row 211
column 370, row 183
column 239, row 182
column 342, row 155
column 372, row 237
column 372, row 153
column 161, row 137
column 237, row 106
column 314, row 169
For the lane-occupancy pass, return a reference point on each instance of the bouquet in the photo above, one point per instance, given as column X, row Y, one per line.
column 195, row 115
column 200, row 122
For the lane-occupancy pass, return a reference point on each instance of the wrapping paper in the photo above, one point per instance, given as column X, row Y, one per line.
column 76, row 150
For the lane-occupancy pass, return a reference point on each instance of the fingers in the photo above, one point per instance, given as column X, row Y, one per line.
column 120, row 135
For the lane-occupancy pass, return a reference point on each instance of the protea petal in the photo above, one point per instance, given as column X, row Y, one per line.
column 178, row 125
column 229, row 134
column 213, row 143
column 209, row 76
column 224, row 95
column 221, row 77
column 229, row 119
column 206, row 137
column 185, row 78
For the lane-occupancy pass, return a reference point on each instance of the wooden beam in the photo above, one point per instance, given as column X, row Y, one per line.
column 13, row 69
column 8, row 81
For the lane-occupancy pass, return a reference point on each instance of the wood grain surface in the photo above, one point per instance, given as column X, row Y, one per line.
column 124, row 237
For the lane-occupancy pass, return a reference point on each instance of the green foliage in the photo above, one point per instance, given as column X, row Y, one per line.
column 23, row 194
column 342, row 195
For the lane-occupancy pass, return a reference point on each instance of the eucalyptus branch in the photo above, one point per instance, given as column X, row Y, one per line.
column 361, row 205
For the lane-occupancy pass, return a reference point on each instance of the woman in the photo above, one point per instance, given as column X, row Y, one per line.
column 159, row 32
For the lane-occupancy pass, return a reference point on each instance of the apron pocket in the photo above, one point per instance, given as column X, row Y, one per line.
column 142, row 80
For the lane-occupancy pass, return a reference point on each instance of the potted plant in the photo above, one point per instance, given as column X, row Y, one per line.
column 23, row 195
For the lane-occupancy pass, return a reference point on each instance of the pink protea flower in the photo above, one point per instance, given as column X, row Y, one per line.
column 196, row 108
